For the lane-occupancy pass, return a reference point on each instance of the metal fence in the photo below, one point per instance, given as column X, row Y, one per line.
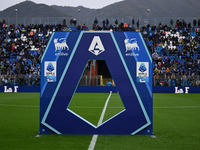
column 89, row 21
column 173, row 81
column 86, row 80
column 19, row 80
column 34, row 80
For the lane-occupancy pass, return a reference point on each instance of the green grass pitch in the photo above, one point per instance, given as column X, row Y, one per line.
column 176, row 124
column 82, row 103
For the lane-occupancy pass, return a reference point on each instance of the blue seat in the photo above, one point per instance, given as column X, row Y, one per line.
column 25, row 67
column 29, row 62
column 181, row 83
column 172, row 57
column 198, row 47
column 158, row 49
column 193, row 34
column 196, row 55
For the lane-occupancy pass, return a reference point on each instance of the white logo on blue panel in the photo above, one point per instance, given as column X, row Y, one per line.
column 50, row 67
column 50, row 71
column 142, row 72
column 50, row 79
column 132, row 47
column 142, row 67
column 60, row 45
column 96, row 46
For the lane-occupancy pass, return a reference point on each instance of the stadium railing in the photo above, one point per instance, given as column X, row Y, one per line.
column 98, row 80
column 20, row 80
column 161, row 81
column 90, row 21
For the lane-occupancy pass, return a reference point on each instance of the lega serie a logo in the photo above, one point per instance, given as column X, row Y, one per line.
column 96, row 46
column 142, row 72
column 142, row 67
column 50, row 71
column 50, row 67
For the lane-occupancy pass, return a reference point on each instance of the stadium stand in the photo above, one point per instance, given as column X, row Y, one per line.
column 175, row 51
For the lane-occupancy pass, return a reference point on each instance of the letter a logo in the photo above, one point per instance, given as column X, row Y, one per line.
column 50, row 67
column 96, row 46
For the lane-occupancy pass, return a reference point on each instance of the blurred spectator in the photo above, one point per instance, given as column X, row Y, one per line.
column 138, row 24
column 194, row 22
column 109, row 83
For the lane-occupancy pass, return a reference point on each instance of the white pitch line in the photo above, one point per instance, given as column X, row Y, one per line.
column 94, row 138
column 19, row 105
column 93, row 107
column 178, row 107
column 83, row 107
column 164, row 107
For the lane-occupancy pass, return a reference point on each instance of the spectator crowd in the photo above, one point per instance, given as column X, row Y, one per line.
column 175, row 50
